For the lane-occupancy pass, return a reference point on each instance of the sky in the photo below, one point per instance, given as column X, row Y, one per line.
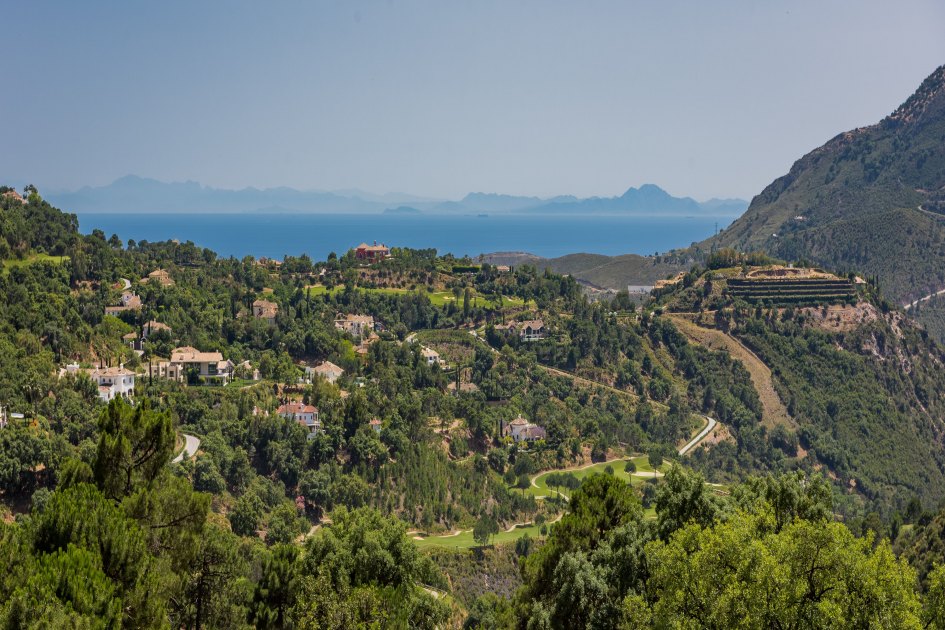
column 706, row 99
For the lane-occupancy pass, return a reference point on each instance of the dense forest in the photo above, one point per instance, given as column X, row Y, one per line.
column 108, row 522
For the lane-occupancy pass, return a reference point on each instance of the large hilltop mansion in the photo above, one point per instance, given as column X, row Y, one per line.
column 372, row 253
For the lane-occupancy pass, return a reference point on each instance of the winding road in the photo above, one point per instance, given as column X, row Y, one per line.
column 694, row 442
column 922, row 299
column 191, row 444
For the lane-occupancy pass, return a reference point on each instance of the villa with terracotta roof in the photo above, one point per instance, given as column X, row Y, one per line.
column 15, row 196
column 357, row 325
column 432, row 357
column 362, row 348
column 305, row 415
column 161, row 276
column 264, row 309
column 375, row 424
column 371, row 253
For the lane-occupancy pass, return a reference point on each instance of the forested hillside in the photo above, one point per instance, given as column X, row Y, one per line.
column 870, row 199
column 459, row 406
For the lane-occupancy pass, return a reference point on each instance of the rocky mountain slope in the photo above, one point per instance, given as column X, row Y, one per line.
column 871, row 199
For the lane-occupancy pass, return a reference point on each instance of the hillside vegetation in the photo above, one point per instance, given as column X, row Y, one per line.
column 273, row 523
column 871, row 199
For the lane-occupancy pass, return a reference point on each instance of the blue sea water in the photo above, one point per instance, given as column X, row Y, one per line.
column 276, row 235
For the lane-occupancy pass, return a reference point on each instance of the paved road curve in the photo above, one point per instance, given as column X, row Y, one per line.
column 695, row 441
column 191, row 444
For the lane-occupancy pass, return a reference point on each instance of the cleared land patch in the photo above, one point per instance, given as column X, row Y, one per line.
column 773, row 410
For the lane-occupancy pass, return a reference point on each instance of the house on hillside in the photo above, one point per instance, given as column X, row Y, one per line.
column 15, row 196
column 375, row 425
column 371, row 253
column 305, row 415
column 364, row 347
column 531, row 330
column 209, row 367
column 128, row 302
column 152, row 327
column 159, row 276
column 131, row 339
column 521, row 430
column 432, row 357
column 264, row 309
column 327, row 370
column 356, row 325
column 112, row 381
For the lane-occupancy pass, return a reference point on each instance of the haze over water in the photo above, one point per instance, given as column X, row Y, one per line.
column 276, row 235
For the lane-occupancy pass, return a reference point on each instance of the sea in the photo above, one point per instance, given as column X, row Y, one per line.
column 277, row 235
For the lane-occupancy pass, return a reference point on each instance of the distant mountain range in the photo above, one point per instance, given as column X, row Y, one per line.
column 139, row 194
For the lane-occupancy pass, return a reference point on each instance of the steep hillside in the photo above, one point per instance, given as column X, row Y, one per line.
column 861, row 384
column 871, row 199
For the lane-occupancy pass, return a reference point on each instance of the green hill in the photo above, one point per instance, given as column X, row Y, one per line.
column 871, row 199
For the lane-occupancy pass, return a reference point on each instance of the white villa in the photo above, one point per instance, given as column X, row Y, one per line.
column 112, row 381
column 521, row 430
column 432, row 357
column 356, row 325
column 306, row 415
column 129, row 302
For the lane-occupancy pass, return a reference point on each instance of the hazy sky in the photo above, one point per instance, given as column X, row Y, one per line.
column 441, row 98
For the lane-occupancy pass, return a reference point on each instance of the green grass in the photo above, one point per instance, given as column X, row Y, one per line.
column 464, row 540
column 437, row 298
column 10, row 263
column 540, row 488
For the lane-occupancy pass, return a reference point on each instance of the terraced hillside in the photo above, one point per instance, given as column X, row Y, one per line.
column 799, row 291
